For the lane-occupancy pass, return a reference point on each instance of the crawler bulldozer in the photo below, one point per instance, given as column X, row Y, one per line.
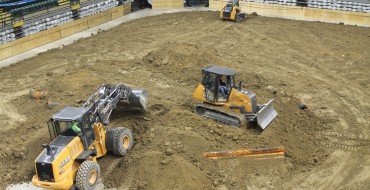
column 223, row 101
column 79, row 135
column 232, row 11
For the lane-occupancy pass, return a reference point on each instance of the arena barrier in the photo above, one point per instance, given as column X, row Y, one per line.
column 165, row 4
column 46, row 36
column 300, row 13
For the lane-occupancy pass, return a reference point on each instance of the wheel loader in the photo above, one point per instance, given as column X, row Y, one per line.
column 223, row 101
column 79, row 135
column 232, row 11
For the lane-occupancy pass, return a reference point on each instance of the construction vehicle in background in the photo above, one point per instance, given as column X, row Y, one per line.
column 232, row 11
column 225, row 102
column 80, row 135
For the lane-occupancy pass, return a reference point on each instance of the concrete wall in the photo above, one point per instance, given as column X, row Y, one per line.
column 164, row 4
column 56, row 33
column 300, row 13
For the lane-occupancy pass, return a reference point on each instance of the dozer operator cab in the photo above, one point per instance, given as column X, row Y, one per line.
column 223, row 101
column 218, row 83
column 73, row 121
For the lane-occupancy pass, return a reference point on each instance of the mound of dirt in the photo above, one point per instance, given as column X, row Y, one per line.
column 292, row 62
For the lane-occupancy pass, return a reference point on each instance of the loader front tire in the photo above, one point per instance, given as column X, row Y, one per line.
column 88, row 175
column 122, row 141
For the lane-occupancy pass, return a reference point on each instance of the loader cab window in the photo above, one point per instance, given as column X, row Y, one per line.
column 209, row 83
column 70, row 128
column 52, row 130
column 65, row 128
column 89, row 136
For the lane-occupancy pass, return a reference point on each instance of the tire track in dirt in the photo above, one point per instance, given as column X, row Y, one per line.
column 129, row 179
column 116, row 164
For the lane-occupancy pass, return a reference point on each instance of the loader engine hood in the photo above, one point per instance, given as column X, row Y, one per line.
column 56, row 157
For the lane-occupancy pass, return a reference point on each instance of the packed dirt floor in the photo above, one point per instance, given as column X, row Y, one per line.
column 324, row 66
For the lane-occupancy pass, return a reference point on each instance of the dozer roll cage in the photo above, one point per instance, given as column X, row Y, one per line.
column 211, row 76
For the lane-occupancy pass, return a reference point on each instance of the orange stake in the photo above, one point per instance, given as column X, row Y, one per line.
column 247, row 152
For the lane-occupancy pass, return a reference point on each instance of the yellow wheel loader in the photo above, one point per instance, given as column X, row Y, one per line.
column 232, row 11
column 223, row 101
column 80, row 135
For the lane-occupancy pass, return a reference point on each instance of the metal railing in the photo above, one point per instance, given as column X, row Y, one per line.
column 29, row 20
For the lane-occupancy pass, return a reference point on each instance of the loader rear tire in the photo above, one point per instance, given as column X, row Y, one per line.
column 88, row 175
column 122, row 141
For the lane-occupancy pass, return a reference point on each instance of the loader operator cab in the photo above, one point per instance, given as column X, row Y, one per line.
column 218, row 83
column 73, row 121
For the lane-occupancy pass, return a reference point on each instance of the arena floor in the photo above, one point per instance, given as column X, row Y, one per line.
column 326, row 66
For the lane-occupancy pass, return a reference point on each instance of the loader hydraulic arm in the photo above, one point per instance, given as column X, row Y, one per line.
column 107, row 97
column 104, row 100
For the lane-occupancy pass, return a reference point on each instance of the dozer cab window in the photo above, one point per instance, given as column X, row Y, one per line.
column 225, row 85
column 230, row 80
column 209, row 83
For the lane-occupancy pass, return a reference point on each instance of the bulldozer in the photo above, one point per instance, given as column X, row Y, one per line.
column 223, row 101
column 232, row 11
column 80, row 135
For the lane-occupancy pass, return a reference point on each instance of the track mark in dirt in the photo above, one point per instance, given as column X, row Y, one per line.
column 346, row 142
column 342, row 146
column 350, row 136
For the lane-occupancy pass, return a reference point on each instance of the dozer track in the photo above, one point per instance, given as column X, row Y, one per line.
column 220, row 114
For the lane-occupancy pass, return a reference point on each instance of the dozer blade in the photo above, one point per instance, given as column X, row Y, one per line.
column 265, row 115
column 137, row 101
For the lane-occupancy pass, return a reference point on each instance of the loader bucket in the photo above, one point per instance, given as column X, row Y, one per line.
column 137, row 101
column 266, row 114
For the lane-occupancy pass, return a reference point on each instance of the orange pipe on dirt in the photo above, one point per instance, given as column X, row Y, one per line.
column 247, row 152
column 37, row 94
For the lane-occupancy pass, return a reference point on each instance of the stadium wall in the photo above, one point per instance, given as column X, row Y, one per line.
column 44, row 37
column 163, row 4
column 300, row 13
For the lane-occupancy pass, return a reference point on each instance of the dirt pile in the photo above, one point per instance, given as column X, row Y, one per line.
column 290, row 61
